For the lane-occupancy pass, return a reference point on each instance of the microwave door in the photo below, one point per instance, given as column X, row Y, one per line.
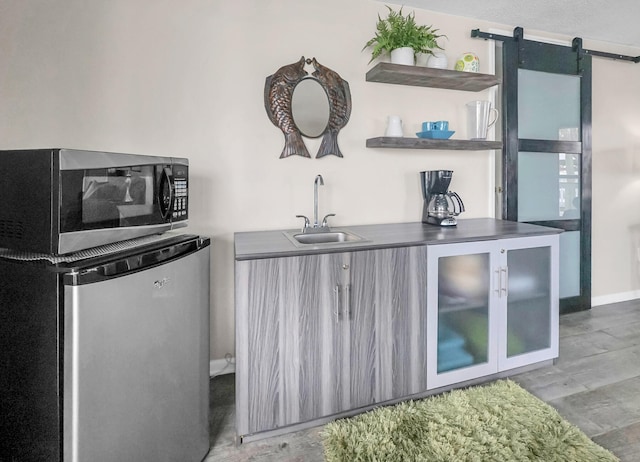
column 105, row 205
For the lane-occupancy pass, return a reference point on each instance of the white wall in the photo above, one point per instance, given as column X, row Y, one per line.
column 186, row 77
column 616, row 178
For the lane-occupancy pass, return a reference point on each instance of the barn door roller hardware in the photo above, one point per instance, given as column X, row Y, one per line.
column 518, row 34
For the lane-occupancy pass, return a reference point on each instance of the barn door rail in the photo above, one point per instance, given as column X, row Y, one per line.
column 576, row 45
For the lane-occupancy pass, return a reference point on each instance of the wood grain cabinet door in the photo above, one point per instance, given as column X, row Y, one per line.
column 360, row 360
column 320, row 334
column 288, row 341
column 384, row 315
column 312, row 338
column 400, row 321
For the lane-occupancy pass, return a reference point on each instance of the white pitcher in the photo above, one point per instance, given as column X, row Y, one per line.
column 478, row 113
column 394, row 126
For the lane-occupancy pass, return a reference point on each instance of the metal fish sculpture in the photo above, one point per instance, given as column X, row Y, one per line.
column 339, row 107
column 278, row 93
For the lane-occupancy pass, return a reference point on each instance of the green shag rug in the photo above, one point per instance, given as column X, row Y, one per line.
column 500, row 422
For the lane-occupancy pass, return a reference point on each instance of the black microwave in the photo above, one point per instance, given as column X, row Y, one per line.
column 57, row 201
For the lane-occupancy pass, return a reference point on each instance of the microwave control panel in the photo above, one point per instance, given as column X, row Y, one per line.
column 180, row 197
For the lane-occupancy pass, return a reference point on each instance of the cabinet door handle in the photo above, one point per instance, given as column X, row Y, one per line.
column 336, row 292
column 504, row 287
column 349, row 308
column 497, row 281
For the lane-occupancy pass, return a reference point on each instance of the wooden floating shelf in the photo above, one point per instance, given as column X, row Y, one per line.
column 420, row 76
column 424, row 143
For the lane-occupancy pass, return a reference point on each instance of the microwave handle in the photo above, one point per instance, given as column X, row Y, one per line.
column 166, row 201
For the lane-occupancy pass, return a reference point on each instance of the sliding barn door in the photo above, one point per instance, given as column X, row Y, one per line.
column 545, row 173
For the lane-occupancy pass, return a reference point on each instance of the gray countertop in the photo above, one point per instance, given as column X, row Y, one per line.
column 270, row 244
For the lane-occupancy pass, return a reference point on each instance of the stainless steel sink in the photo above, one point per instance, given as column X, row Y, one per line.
column 331, row 237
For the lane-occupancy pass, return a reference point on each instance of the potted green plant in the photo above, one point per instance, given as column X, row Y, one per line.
column 400, row 32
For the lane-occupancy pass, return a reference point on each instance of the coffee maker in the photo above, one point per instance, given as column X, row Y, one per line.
column 441, row 206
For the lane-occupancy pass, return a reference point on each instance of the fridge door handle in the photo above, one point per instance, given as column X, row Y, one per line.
column 128, row 264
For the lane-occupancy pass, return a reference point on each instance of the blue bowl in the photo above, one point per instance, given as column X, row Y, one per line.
column 435, row 134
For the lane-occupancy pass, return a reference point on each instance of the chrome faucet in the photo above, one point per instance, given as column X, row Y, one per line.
column 319, row 181
column 316, row 226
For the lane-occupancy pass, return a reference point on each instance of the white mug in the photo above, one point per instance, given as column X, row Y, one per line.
column 478, row 123
column 394, row 126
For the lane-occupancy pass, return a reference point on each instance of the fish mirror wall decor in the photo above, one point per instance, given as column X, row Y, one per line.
column 298, row 109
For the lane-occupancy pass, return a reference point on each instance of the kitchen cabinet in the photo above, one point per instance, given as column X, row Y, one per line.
column 325, row 333
column 330, row 330
column 491, row 306
column 435, row 78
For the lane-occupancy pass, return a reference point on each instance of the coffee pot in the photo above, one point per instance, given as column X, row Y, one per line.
column 441, row 206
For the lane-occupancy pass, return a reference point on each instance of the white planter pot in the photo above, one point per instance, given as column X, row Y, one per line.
column 438, row 60
column 422, row 58
column 404, row 55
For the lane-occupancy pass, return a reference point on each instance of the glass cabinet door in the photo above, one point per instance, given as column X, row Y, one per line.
column 461, row 321
column 529, row 283
column 491, row 306
column 528, row 301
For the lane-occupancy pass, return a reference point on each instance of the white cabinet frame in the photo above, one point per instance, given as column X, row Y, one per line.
column 497, row 358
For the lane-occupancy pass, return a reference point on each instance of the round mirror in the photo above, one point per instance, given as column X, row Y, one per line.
column 310, row 107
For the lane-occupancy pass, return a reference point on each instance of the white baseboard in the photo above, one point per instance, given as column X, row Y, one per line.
column 615, row 298
column 222, row 366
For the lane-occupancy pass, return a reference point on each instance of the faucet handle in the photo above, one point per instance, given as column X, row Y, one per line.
column 307, row 223
column 324, row 220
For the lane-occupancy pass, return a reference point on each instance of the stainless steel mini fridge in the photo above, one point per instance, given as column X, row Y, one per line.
column 106, row 358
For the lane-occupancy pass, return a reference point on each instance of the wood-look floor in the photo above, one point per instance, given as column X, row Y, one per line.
column 595, row 384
